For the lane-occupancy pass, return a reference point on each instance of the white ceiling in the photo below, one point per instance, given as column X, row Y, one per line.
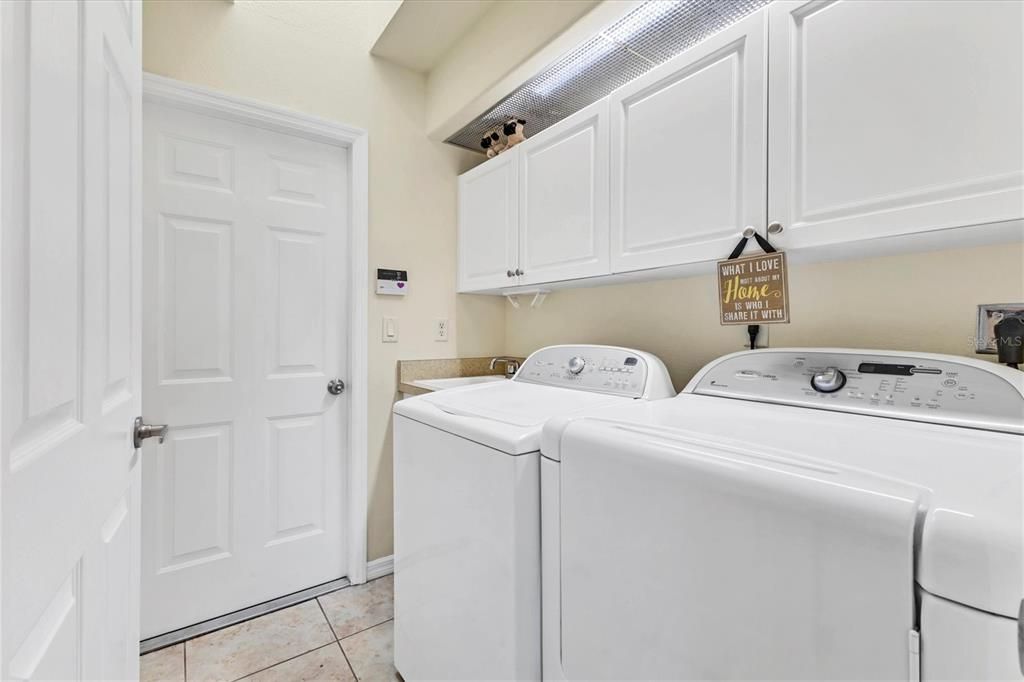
column 422, row 31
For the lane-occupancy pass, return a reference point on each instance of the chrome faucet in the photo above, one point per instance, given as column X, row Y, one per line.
column 511, row 365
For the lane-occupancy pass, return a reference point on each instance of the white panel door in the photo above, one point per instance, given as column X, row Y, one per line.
column 489, row 224
column 71, row 339
column 889, row 118
column 688, row 152
column 563, row 199
column 246, row 234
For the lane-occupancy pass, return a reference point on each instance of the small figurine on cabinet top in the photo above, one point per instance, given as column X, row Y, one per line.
column 514, row 131
column 492, row 144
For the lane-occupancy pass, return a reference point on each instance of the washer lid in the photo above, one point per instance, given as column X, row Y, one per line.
column 737, row 530
column 972, row 520
column 506, row 415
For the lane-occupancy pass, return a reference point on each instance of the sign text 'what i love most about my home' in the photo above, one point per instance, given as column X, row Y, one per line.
column 754, row 290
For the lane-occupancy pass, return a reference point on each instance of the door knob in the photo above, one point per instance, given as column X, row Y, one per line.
column 141, row 432
column 335, row 386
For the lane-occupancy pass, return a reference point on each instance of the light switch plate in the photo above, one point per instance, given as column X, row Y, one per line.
column 988, row 315
column 441, row 329
column 389, row 330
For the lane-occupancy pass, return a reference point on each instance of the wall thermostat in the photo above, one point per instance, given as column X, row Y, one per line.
column 392, row 282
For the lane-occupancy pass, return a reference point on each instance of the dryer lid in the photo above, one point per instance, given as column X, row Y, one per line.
column 506, row 415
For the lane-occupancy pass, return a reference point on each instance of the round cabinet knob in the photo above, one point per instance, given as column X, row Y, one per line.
column 828, row 381
column 576, row 364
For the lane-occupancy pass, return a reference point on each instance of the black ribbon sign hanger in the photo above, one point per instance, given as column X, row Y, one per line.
column 742, row 244
column 753, row 273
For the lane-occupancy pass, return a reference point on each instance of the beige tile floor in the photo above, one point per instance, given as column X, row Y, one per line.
column 344, row 635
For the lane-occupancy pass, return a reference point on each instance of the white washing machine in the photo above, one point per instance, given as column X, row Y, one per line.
column 792, row 514
column 467, row 508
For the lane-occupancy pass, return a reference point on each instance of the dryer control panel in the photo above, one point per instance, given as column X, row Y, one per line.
column 603, row 369
column 925, row 387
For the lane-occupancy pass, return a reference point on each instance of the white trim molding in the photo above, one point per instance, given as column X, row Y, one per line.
column 378, row 568
column 170, row 92
column 244, row 110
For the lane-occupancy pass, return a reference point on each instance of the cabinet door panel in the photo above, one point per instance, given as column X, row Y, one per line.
column 488, row 224
column 893, row 118
column 563, row 199
column 688, row 152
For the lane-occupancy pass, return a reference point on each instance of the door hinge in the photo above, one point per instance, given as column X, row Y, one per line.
column 914, row 649
column 1020, row 636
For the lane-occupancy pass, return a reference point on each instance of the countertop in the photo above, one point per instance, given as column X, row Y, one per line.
column 446, row 368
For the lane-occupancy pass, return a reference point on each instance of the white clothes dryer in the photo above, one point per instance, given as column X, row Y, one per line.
column 467, row 508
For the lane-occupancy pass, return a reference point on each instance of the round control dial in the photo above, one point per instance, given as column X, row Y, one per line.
column 828, row 381
column 576, row 364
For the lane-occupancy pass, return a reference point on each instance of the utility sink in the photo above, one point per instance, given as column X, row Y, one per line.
column 441, row 384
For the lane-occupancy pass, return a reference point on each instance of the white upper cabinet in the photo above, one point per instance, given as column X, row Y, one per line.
column 563, row 199
column 688, row 152
column 859, row 126
column 889, row 118
column 489, row 224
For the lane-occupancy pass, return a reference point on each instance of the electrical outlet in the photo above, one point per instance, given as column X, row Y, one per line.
column 989, row 315
column 441, row 329
column 389, row 330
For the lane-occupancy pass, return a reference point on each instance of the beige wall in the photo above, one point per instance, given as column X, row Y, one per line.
column 314, row 57
column 923, row 302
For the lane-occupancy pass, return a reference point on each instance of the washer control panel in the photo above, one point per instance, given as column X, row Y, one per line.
column 603, row 369
column 922, row 388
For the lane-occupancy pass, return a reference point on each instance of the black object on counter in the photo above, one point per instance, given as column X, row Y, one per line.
column 1010, row 341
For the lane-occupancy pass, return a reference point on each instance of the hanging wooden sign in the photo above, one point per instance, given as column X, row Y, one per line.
column 754, row 290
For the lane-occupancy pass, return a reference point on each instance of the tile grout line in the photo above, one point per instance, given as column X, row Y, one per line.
column 337, row 641
column 255, row 672
column 329, row 624
column 251, row 620
column 369, row 627
column 345, row 656
column 359, row 633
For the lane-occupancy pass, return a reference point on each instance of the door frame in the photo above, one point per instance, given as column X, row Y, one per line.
column 201, row 100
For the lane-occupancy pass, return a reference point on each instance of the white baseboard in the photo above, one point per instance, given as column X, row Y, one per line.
column 378, row 568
